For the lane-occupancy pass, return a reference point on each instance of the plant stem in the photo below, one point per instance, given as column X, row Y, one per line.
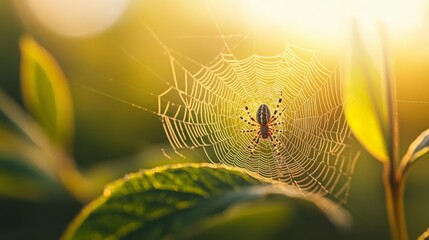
column 394, row 187
column 394, row 176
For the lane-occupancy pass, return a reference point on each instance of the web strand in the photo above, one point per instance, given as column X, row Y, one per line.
column 309, row 149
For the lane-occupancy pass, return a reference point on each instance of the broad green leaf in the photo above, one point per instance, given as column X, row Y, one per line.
column 202, row 201
column 45, row 91
column 365, row 101
column 417, row 149
column 266, row 212
column 107, row 171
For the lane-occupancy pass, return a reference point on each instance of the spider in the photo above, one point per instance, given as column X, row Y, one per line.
column 264, row 121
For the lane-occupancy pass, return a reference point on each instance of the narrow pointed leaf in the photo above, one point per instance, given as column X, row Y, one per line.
column 201, row 201
column 417, row 149
column 45, row 91
column 365, row 101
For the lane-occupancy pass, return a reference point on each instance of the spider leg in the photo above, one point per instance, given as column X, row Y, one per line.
column 249, row 114
column 272, row 139
column 277, row 147
column 274, row 118
column 249, row 130
column 279, row 130
column 285, row 172
column 277, row 123
column 279, row 159
column 248, row 122
column 276, row 111
column 255, row 141
column 277, row 143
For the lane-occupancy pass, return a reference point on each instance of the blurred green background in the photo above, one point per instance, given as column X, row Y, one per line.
column 119, row 62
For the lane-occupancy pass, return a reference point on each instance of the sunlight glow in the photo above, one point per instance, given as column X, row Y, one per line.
column 78, row 17
column 333, row 16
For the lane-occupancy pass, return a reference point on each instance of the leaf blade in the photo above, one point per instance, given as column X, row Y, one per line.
column 45, row 91
column 365, row 101
column 417, row 149
column 168, row 202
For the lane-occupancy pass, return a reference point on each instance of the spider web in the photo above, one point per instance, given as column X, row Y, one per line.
column 201, row 111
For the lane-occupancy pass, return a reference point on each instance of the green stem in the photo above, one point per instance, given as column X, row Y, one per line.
column 394, row 186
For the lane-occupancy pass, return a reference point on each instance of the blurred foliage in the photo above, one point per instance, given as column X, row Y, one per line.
column 46, row 92
column 10, row 32
column 205, row 201
column 365, row 101
column 23, row 148
column 19, row 165
column 417, row 150
column 370, row 107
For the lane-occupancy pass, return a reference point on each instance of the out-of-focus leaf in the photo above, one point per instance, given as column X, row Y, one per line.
column 197, row 200
column 365, row 101
column 22, row 172
column 417, row 149
column 46, row 92
column 40, row 153
column 26, row 135
column 20, row 180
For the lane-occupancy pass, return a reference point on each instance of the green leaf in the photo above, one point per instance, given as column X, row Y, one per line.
column 417, row 149
column 265, row 212
column 366, row 102
column 45, row 91
column 203, row 201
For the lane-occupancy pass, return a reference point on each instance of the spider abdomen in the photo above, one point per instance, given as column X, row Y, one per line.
column 263, row 114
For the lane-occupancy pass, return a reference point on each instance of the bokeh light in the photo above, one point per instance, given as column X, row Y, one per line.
column 77, row 18
column 333, row 16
